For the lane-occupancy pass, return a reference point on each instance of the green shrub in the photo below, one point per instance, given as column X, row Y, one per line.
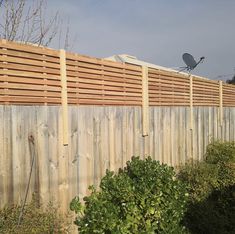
column 211, row 185
column 201, row 179
column 144, row 197
column 35, row 220
column 215, row 172
column 222, row 156
column 220, row 152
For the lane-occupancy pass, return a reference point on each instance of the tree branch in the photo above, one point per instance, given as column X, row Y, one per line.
column 27, row 21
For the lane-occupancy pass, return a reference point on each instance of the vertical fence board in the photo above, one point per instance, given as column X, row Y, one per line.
column 161, row 135
column 53, row 129
column 172, row 137
column 7, row 184
column 17, row 157
column 166, row 135
column 82, row 144
column 129, row 133
column 3, row 193
column 200, row 136
column 118, row 138
column 137, row 132
column 73, row 151
column 188, row 151
column 112, row 148
column 30, row 138
column 105, row 140
column 43, row 151
column 232, row 119
column 124, row 136
column 97, row 150
column 180, row 136
column 227, row 124
column 63, row 161
column 151, row 134
column 176, row 157
column 206, row 127
column 89, row 145
column 155, row 119
column 195, row 129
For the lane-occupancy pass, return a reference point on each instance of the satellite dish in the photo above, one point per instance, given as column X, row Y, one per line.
column 190, row 62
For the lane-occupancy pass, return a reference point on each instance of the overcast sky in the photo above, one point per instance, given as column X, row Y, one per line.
column 156, row 31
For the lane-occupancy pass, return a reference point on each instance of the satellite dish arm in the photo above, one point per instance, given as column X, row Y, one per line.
column 200, row 61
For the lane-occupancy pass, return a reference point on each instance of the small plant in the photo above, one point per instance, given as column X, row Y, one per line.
column 35, row 220
column 144, row 197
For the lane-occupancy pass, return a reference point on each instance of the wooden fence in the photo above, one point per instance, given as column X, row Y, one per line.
column 32, row 75
column 80, row 116
column 100, row 138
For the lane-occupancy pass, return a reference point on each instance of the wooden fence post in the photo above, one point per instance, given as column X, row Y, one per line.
column 63, row 155
column 191, row 116
column 64, row 98
column 5, row 76
column 191, row 101
column 221, row 102
column 145, row 101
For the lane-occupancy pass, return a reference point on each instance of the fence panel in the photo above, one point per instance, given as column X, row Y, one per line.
column 30, row 75
column 100, row 138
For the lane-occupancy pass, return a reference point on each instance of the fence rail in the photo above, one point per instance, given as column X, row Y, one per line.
column 30, row 75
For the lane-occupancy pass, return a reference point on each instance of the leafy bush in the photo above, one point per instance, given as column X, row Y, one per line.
column 201, row 179
column 212, row 190
column 35, row 220
column 144, row 197
column 220, row 152
column 222, row 156
column 215, row 172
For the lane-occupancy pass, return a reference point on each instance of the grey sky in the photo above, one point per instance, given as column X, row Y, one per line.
column 157, row 31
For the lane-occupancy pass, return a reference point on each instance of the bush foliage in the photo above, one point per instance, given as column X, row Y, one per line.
column 144, row 197
column 212, row 190
column 216, row 172
column 35, row 220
